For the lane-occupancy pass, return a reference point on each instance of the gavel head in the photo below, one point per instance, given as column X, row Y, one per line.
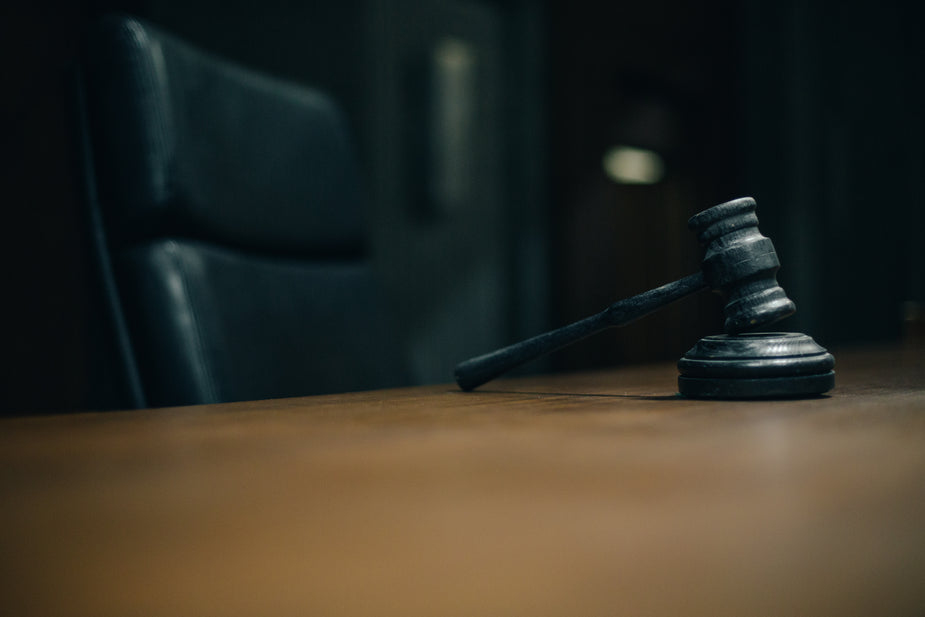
column 742, row 264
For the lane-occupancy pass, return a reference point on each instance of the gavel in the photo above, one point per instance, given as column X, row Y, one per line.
column 739, row 262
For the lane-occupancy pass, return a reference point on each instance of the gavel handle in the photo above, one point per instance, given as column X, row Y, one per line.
column 476, row 371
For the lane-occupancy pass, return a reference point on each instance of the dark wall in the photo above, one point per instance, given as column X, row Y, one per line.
column 814, row 108
column 44, row 305
column 834, row 148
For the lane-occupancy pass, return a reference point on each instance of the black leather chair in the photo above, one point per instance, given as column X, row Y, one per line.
column 227, row 222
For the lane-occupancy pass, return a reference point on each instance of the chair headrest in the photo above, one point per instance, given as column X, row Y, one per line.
column 187, row 143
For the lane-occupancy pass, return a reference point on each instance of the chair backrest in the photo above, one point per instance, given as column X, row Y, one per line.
column 228, row 222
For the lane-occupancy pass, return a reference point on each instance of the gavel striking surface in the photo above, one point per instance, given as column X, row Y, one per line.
column 756, row 365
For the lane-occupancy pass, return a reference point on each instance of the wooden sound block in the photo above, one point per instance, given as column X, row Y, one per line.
column 756, row 365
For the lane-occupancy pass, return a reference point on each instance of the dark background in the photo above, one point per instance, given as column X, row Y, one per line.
column 812, row 107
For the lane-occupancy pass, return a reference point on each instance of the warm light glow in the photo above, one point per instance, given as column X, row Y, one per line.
column 628, row 165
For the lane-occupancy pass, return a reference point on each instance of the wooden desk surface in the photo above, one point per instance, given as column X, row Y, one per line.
column 593, row 494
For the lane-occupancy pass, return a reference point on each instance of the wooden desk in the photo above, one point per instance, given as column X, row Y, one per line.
column 593, row 494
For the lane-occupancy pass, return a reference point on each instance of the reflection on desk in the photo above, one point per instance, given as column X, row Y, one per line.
column 588, row 494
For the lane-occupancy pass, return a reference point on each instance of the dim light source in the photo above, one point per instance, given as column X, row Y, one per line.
column 630, row 165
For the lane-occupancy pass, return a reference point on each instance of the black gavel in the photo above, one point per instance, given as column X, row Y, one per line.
column 739, row 262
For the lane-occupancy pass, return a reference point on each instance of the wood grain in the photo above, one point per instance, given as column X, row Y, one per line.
column 587, row 494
